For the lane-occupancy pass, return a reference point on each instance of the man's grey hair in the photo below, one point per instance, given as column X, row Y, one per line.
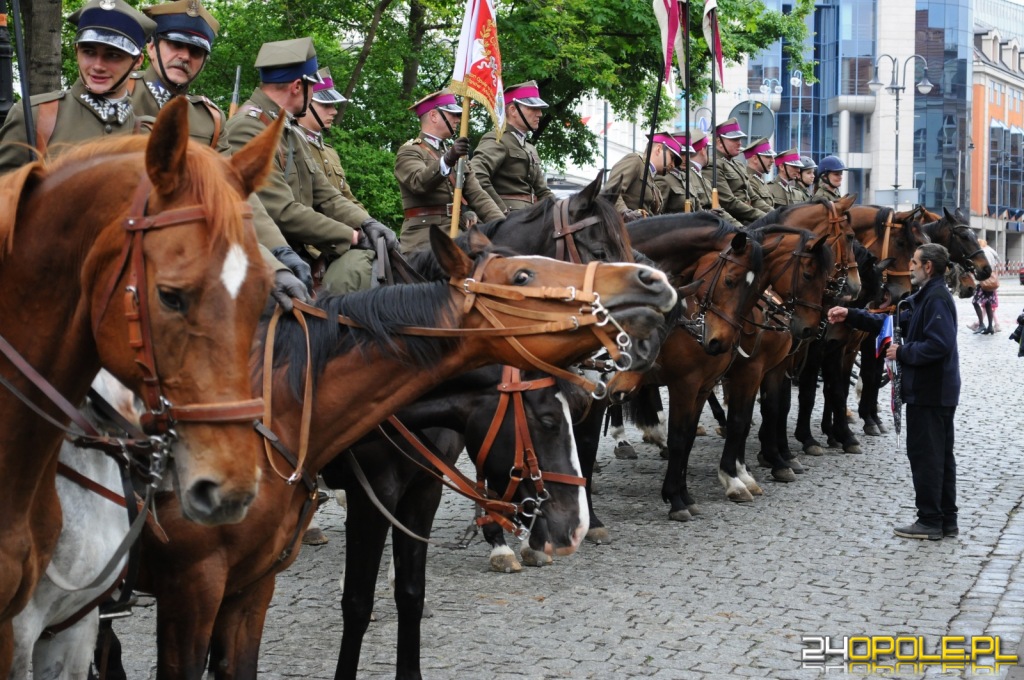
column 937, row 255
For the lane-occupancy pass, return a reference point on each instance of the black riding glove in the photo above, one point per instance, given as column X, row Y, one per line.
column 291, row 259
column 374, row 230
column 458, row 149
column 286, row 287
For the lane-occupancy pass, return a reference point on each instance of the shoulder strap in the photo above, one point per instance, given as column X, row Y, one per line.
column 46, row 120
column 215, row 114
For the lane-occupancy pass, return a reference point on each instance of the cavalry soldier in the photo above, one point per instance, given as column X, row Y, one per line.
column 425, row 170
column 510, row 170
column 807, row 174
column 626, row 178
column 317, row 120
column 829, row 178
column 178, row 51
column 108, row 45
column 759, row 157
column 786, row 188
column 298, row 197
column 732, row 175
column 672, row 184
column 700, row 186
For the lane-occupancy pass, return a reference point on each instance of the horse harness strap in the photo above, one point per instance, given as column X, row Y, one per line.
column 885, row 250
column 46, row 122
column 81, row 480
column 564, row 230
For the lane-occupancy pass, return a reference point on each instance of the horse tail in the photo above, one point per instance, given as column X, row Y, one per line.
column 15, row 185
column 643, row 409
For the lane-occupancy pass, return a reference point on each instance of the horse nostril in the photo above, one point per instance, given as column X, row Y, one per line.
column 204, row 496
column 643, row 349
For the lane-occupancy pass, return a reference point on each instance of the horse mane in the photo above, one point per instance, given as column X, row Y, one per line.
column 779, row 214
column 823, row 257
column 694, row 220
column 381, row 314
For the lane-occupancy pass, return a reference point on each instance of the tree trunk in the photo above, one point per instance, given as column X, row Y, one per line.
column 411, row 63
column 42, row 22
column 364, row 54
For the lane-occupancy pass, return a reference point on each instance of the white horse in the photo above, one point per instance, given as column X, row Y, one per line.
column 93, row 528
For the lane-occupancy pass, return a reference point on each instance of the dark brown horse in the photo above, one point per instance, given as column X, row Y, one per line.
column 129, row 253
column 213, row 585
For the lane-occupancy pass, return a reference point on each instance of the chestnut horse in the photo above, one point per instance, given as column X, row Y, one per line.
column 213, row 585
column 130, row 253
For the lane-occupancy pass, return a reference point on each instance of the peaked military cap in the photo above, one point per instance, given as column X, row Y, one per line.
column 527, row 94
column 670, row 143
column 789, row 157
column 283, row 61
column 696, row 140
column 114, row 23
column 730, row 129
column 758, row 147
column 444, row 100
column 324, row 91
column 184, row 21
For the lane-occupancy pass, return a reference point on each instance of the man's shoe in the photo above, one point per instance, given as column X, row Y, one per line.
column 951, row 532
column 919, row 531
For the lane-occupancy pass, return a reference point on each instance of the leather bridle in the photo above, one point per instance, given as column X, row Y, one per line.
column 696, row 326
column 885, row 249
column 788, row 306
column 844, row 253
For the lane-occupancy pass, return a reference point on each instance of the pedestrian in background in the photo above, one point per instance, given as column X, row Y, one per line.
column 929, row 363
column 987, row 298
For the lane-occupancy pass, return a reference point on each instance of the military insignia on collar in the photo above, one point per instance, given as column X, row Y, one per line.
column 108, row 4
column 193, row 8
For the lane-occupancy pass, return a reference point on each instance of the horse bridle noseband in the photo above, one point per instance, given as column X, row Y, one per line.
column 885, row 249
column 696, row 326
column 788, row 306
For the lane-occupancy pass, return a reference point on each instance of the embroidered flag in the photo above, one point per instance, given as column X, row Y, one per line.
column 712, row 36
column 477, row 73
column 884, row 338
column 673, row 32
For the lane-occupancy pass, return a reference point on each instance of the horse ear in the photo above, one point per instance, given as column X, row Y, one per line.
column 478, row 242
column 689, row 289
column 585, row 198
column 846, row 202
column 818, row 244
column 882, row 265
column 167, row 146
column 452, row 260
column 739, row 242
column 254, row 160
column 949, row 216
column 959, row 215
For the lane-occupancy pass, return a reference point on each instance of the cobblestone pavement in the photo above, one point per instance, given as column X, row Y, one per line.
column 727, row 595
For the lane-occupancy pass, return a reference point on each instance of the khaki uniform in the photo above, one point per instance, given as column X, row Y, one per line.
column 786, row 192
column 700, row 186
column 425, row 189
column 205, row 120
column 625, row 179
column 76, row 121
column 301, row 201
column 509, row 171
column 758, row 194
column 732, row 189
column 825, row 190
column 673, row 190
column 330, row 162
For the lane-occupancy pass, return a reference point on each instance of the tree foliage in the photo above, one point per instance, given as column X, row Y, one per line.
column 385, row 54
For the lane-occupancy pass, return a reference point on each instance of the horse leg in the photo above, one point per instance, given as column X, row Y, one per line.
column 502, row 559
column 365, row 533
column 416, row 510
column 685, row 406
column 185, row 617
column 69, row 653
column 871, row 377
column 588, row 438
column 808, row 392
column 840, row 395
column 772, row 387
column 741, row 392
column 718, row 412
column 651, row 418
column 623, row 449
column 235, row 643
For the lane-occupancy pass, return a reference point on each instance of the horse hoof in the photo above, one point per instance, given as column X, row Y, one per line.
column 852, row 448
column 505, row 564
column 832, row 443
column 720, row 431
column 625, row 451
column 694, row 509
column 755, row 489
column 428, row 613
column 665, row 455
column 762, row 461
column 535, row 558
column 796, row 466
column 314, row 536
column 872, row 430
column 783, row 475
column 680, row 515
column 740, row 496
column 701, row 431
column 599, row 536
column 850, row 418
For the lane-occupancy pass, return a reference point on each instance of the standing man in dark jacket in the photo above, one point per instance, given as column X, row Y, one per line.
column 930, row 365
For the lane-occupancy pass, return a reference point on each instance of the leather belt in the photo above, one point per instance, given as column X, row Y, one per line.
column 445, row 210
column 529, row 198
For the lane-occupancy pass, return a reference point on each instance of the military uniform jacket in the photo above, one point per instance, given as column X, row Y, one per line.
column 625, row 179
column 825, row 190
column 732, row 189
column 673, row 192
column 297, row 195
column 76, row 121
column 511, row 168
column 330, row 163
column 758, row 194
column 418, row 171
column 205, row 120
column 784, row 192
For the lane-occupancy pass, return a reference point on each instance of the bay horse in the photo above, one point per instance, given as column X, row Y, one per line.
column 131, row 253
column 56, row 632
column 213, row 584
column 475, row 408
column 952, row 230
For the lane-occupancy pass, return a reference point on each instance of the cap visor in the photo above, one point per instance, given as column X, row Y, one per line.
column 116, row 40
column 189, row 39
column 313, row 77
column 533, row 102
column 329, row 96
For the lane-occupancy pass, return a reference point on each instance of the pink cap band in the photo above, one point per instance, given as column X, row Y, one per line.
column 326, row 85
column 788, row 158
column 669, row 141
column 764, row 148
column 728, row 127
column 434, row 102
column 522, row 93
column 696, row 146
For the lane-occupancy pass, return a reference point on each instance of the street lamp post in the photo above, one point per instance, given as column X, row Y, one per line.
column 796, row 80
column 924, row 86
column 768, row 89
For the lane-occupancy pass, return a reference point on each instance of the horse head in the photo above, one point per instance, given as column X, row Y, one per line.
column 798, row 265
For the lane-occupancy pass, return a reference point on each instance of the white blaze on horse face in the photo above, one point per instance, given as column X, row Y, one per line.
column 236, row 265
column 574, row 457
column 750, row 278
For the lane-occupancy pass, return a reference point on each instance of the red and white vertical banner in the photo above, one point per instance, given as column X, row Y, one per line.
column 673, row 32
column 477, row 73
column 712, row 35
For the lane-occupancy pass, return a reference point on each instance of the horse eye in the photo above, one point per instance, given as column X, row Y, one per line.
column 807, row 276
column 730, row 283
column 550, row 422
column 522, row 277
column 172, row 300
